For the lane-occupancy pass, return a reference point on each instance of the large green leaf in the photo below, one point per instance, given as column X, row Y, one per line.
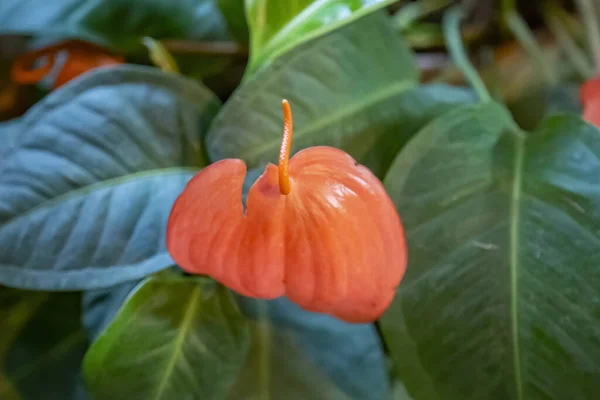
column 536, row 103
column 87, row 186
column 278, row 368
column 44, row 350
column 500, row 299
column 119, row 24
column 277, row 27
column 349, row 89
column 175, row 338
column 347, row 355
column 8, row 134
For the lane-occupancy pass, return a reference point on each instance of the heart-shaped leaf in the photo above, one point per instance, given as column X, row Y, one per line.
column 500, row 299
column 348, row 355
column 277, row 27
column 352, row 89
column 94, row 20
column 87, row 187
column 174, row 338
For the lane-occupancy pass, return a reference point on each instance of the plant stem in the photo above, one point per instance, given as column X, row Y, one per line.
column 590, row 20
column 451, row 25
column 160, row 56
column 525, row 37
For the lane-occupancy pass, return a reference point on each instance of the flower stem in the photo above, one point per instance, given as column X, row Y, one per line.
column 455, row 46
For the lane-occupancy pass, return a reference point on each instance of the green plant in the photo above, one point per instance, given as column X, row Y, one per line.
column 500, row 297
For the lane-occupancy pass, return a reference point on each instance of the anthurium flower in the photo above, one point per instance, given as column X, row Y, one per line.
column 590, row 99
column 318, row 228
column 80, row 58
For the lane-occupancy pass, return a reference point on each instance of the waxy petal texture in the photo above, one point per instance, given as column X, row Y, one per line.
column 334, row 244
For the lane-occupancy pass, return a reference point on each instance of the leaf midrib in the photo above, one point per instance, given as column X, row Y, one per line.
column 333, row 118
column 190, row 311
column 112, row 182
column 515, row 210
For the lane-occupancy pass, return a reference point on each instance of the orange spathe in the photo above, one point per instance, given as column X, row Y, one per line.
column 589, row 96
column 333, row 244
column 81, row 57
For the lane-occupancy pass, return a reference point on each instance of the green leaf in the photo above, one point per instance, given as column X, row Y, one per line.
column 94, row 20
column 277, row 368
column 87, row 187
column 235, row 15
column 536, row 103
column 500, row 299
column 327, row 344
column 100, row 306
column 173, row 339
column 9, row 131
column 563, row 98
column 44, row 355
column 344, row 89
column 277, row 27
column 412, row 111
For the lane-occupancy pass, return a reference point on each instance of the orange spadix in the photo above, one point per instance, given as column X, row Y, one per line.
column 318, row 228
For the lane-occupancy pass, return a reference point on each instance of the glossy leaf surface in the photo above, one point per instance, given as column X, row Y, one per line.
column 500, row 295
column 87, row 185
column 277, row 27
column 349, row 356
column 345, row 89
column 94, row 20
column 173, row 338
column 269, row 372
